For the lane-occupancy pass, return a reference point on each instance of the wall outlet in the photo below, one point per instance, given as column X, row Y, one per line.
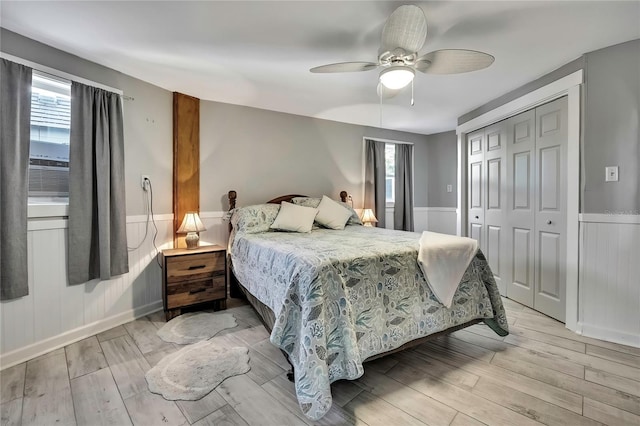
column 144, row 182
column 611, row 174
column 449, row 188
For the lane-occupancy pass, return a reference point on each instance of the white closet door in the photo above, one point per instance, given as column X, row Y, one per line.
column 495, row 200
column 521, row 193
column 475, row 173
column 551, row 209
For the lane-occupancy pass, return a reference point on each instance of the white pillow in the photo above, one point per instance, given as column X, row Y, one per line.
column 294, row 218
column 331, row 214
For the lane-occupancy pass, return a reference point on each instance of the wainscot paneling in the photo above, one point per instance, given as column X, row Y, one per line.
column 55, row 314
column 610, row 278
column 434, row 219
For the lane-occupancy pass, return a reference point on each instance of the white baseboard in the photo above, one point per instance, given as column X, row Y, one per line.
column 609, row 335
column 44, row 346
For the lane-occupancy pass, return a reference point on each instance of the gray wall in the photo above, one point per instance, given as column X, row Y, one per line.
column 441, row 165
column 611, row 136
column 147, row 119
column 262, row 154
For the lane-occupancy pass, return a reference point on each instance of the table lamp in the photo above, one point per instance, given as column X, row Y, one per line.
column 368, row 218
column 191, row 225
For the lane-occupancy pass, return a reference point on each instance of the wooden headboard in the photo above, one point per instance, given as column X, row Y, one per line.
column 233, row 195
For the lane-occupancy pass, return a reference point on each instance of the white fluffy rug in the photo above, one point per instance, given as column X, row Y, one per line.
column 194, row 327
column 195, row 370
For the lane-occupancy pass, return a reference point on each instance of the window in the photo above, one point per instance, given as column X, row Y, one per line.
column 390, row 166
column 50, row 130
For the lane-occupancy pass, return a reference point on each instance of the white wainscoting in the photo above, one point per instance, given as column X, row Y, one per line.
column 434, row 219
column 609, row 277
column 55, row 314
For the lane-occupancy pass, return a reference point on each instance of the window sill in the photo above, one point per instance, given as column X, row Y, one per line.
column 47, row 210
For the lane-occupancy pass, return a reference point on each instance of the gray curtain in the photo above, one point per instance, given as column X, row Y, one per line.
column 375, row 180
column 97, row 214
column 403, row 205
column 15, row 121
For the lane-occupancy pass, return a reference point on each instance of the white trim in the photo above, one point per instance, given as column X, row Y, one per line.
column 41, row 347
column 61, row 74
column 572, row 231
column 46, row 224
column 47, row 210
column 364, row 139
column 566, row 86
column 461, row 180
column 609, row 335
column 609, row 218
column 539, row 96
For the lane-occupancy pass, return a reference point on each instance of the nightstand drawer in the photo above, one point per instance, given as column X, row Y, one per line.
column 181, row 268
column 192, row 292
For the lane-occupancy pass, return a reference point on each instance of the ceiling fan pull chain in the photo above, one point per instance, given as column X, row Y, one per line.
column 381, row 91
column 411, row 92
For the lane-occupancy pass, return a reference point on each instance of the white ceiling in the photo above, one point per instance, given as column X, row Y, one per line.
column 259, row 53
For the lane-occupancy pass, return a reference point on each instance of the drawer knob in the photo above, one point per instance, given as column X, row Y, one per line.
column 477, row 217
column 197, row 290
column 191, row 268
column 549, row 222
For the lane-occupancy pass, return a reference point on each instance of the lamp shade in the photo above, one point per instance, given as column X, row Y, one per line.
column 396, row 77
column 368, row 217
column 191, row 223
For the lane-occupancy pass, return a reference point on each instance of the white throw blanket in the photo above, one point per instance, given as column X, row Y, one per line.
column 444, row 259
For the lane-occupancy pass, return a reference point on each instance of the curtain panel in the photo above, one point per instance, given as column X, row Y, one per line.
column 403, row 204
column 375, row 180
column 15, row 121
column 97, row 245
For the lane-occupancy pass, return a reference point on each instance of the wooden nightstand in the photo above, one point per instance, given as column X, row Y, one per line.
column 191, row 277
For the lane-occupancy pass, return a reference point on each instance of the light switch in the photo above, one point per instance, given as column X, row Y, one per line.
column 611, row 174
column 449, row 188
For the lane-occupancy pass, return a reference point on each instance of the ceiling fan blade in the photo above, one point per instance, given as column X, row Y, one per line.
column 453, row 61
column 387, row 93
column 345, row 67
column 406, row 28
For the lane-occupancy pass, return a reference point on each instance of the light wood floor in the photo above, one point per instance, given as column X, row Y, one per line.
column 540, row 373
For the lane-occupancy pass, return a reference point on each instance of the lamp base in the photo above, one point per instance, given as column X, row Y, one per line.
column 192, row 240
column 369, row 224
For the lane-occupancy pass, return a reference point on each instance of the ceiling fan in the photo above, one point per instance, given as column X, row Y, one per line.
column 403, row 36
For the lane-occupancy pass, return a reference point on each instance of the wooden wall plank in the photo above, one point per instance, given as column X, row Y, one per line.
column 186, row 159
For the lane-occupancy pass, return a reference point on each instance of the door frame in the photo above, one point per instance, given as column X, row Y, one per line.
column 569, row 86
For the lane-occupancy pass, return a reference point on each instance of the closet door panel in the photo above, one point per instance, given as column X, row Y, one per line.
column 520, row 207
column 475, row 176
column 521, row 262
column 495, row 194
column 548, row 265
column 551, row 136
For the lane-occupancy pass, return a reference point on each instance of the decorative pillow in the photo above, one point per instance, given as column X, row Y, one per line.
column 315, row 202
column 294, row 218
column 332, row 214
column 306, row 201
column 355, row 217
column 254, row 219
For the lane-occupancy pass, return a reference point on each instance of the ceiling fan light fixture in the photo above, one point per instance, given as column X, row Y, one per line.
column 396, row 77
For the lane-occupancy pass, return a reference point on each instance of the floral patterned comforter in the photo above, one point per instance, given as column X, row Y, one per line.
column 340, row 297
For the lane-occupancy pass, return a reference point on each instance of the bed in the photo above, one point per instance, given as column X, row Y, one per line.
column 334, row 299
